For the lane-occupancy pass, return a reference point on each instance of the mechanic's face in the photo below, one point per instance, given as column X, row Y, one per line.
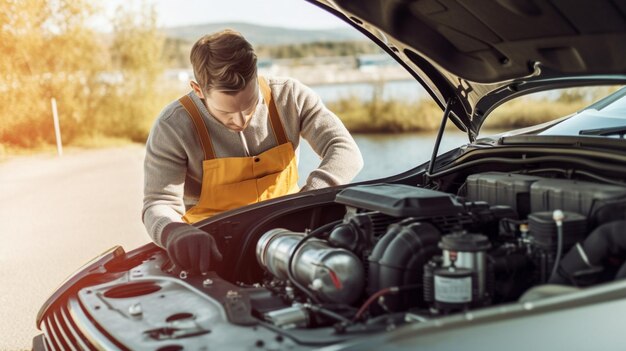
column 233, row 109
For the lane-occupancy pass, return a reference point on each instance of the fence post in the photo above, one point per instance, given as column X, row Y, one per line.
column 57, row 129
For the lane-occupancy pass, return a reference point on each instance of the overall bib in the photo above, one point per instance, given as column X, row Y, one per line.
column 232, row 182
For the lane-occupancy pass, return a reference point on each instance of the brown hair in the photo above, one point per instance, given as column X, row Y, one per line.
column 223, row 61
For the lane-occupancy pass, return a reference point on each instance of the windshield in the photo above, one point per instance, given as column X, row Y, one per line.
column 606, row 117
column 613, row 105
column 572, row 111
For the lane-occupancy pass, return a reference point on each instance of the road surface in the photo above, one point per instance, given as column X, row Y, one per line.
column 56, row 213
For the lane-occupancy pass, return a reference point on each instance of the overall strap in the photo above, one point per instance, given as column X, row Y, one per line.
column 201, row 128
column 277, row 125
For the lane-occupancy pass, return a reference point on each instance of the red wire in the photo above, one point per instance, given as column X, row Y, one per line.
column 335, row 279
column 371, row 299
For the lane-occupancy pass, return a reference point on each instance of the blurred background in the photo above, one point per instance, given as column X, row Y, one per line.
column 112, row 66
column 109, row 67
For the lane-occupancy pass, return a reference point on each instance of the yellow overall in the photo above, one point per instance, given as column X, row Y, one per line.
column 232, row 182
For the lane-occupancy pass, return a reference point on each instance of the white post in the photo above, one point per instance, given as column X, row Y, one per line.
column 57, row 129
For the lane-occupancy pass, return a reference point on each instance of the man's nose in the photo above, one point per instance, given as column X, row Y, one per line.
column 240, row 119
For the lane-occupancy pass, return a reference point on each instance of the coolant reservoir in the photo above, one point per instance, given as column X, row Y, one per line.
column 467, row 251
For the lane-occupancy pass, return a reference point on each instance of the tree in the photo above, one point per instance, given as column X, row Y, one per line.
column 137, row 56
column 48, row 51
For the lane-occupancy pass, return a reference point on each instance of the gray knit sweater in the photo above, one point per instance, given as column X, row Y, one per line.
column 173, row 162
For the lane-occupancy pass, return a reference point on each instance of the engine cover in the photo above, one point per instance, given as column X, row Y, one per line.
column 400, row 200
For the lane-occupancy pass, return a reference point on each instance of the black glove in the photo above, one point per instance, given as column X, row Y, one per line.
column 190, row 248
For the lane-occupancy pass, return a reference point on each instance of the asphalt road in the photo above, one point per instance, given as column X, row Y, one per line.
column 56, row 213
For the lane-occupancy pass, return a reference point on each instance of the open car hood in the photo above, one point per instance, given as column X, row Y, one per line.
column 481, row 53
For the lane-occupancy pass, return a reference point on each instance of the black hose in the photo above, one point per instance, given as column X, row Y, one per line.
column 559, row 247
column 317, row 232
column 328, row 313
column 398, row 259
column 608, row 239
column 621, row 274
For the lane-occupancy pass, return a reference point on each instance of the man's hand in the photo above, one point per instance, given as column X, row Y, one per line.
column 190, row 248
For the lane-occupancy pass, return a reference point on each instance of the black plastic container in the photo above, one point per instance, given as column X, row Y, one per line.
column 497, row 188
column 400, row 200
column 571, row 195
column 542, row 229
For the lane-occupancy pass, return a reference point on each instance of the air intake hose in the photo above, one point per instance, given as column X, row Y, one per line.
column 606, row 240
column 398, row 260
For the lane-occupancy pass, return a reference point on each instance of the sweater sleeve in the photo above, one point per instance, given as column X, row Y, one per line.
column 329, row 138
column 165, row 168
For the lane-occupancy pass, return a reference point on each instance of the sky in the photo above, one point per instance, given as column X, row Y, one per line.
column 281, row 13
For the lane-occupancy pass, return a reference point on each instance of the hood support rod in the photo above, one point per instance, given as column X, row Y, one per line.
column 446, row 114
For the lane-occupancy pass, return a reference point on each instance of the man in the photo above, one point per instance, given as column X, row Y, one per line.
column 231, row 142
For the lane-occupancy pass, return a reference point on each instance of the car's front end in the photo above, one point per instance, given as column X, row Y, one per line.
column 381, row 269
column 511, row 241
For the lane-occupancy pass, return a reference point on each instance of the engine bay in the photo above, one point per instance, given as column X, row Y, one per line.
column 404, row 249
column 399, row 254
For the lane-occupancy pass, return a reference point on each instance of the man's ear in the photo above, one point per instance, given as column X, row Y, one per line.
column 196, row 89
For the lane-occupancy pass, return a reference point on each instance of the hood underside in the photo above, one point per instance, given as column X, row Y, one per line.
column 484, row 52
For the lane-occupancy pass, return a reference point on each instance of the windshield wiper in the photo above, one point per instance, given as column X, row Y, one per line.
column 621, row 131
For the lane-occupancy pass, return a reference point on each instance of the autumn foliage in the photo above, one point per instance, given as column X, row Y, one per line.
column 105, row 84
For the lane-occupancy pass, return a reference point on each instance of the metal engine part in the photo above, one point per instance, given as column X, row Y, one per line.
column 291, row 317
column 333, row 274
column 458, row 279
column 467, row 251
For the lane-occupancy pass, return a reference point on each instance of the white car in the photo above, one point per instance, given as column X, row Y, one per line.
column 513, row 242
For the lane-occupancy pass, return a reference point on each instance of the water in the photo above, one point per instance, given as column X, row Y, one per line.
column 386, row 154
column 383, row 154
column 406, row 90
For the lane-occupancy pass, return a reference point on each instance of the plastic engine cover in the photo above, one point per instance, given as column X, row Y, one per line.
column 502, row 189
column 400, row 200
column 571, row 195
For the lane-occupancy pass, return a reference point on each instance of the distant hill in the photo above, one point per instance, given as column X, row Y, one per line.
column 266, row 35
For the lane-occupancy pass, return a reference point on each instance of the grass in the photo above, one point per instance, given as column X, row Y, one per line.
column 99, row 141
column 396, row 116
column 527, row 112
column 111, row 117
column 124, row 116
column 392, row 116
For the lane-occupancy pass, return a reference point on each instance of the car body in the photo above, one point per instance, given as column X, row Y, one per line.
column 511, row 241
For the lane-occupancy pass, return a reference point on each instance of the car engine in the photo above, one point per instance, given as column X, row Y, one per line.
column 400, row 254
column 402, row 248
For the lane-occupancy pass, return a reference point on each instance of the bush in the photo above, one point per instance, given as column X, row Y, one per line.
column 50, row 51
column 392, row 116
